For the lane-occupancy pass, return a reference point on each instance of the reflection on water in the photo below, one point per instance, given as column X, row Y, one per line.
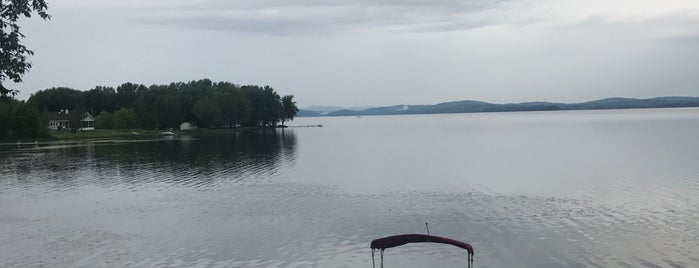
column 185, row 160
column 555, row 189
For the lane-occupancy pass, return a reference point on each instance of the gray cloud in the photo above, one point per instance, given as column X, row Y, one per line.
column 322, row 17
column 312, row 17
column 376, row 52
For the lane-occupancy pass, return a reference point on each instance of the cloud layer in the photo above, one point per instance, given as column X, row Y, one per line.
column 333, row 16
column 363, row 52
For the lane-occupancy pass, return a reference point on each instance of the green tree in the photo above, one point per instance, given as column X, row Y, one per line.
column 125, row 118
column 28, row 121
column 168, row 112
column 126, row 95
column 290, row 108
column 55, row 99
column 105, row 120
column 235, row 108
column 144, row 108
column 266, row 106
column 20, row 120
column 209, row 104
column 74, row 118
column 272, row 107
column 207, row 112
column 23, row 121
column 100, row 99
column 5, row 118
column 13, row 54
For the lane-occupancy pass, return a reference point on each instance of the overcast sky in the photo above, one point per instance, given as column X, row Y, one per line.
column 380, row 52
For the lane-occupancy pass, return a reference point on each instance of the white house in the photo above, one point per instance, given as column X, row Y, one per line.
column 61, row 120
column 88, row 122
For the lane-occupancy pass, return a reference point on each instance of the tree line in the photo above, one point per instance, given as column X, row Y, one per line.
column 203, row 103
column 19, row 120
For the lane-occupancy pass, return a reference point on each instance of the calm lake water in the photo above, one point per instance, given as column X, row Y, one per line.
column 536, row 189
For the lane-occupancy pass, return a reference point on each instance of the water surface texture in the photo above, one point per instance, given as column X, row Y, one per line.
column 536, row 189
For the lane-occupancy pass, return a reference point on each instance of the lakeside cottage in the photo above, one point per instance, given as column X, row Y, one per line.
column 58, row 120
column 61, row 120
column 88, row 122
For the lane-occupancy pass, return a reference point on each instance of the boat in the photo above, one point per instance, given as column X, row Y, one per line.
column 167, row 133
column 398, row 240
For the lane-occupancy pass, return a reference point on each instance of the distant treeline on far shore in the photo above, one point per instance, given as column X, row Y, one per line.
column 202, row 103
column 469, row 106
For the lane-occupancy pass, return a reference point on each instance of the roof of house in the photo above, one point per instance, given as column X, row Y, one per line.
column 88, row 117
column 62, row 116
column 57, row 116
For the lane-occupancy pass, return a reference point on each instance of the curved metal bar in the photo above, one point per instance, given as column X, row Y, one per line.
column 399, row 240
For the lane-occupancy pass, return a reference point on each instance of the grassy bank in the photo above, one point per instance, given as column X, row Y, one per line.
column 137, row 133
column 99, row 134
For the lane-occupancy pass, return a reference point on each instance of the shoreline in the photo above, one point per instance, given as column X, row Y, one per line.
column 99, row 134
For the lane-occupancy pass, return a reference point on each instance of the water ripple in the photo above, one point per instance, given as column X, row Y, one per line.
column 248, row 200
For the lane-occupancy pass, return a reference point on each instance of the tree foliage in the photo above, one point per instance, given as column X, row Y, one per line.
column 127, row 93
column 125, row 118
column 105, row 120
column 100, row 99
column 203, row 102
column 207, row 112
column 208, row 104
column 20, row 120
column 75, row 116
column 235, row 107
column 290, row 109
column 169, row 112
column 57, row 98
column 266, row 106
column 13, row 54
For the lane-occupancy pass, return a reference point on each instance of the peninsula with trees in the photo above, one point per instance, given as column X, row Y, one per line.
column 201, row 103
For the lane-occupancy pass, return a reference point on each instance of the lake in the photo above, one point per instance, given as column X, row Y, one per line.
column 613, row 188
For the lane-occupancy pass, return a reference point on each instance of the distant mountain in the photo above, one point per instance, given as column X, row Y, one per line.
column 323, row 109
column 627, row 103
column 308, row 113
column 344, row 112
column 330, row 109
column 470, row 106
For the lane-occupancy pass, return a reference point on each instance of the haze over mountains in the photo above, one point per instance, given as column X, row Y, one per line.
column 470, row 106
column 330, row 109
